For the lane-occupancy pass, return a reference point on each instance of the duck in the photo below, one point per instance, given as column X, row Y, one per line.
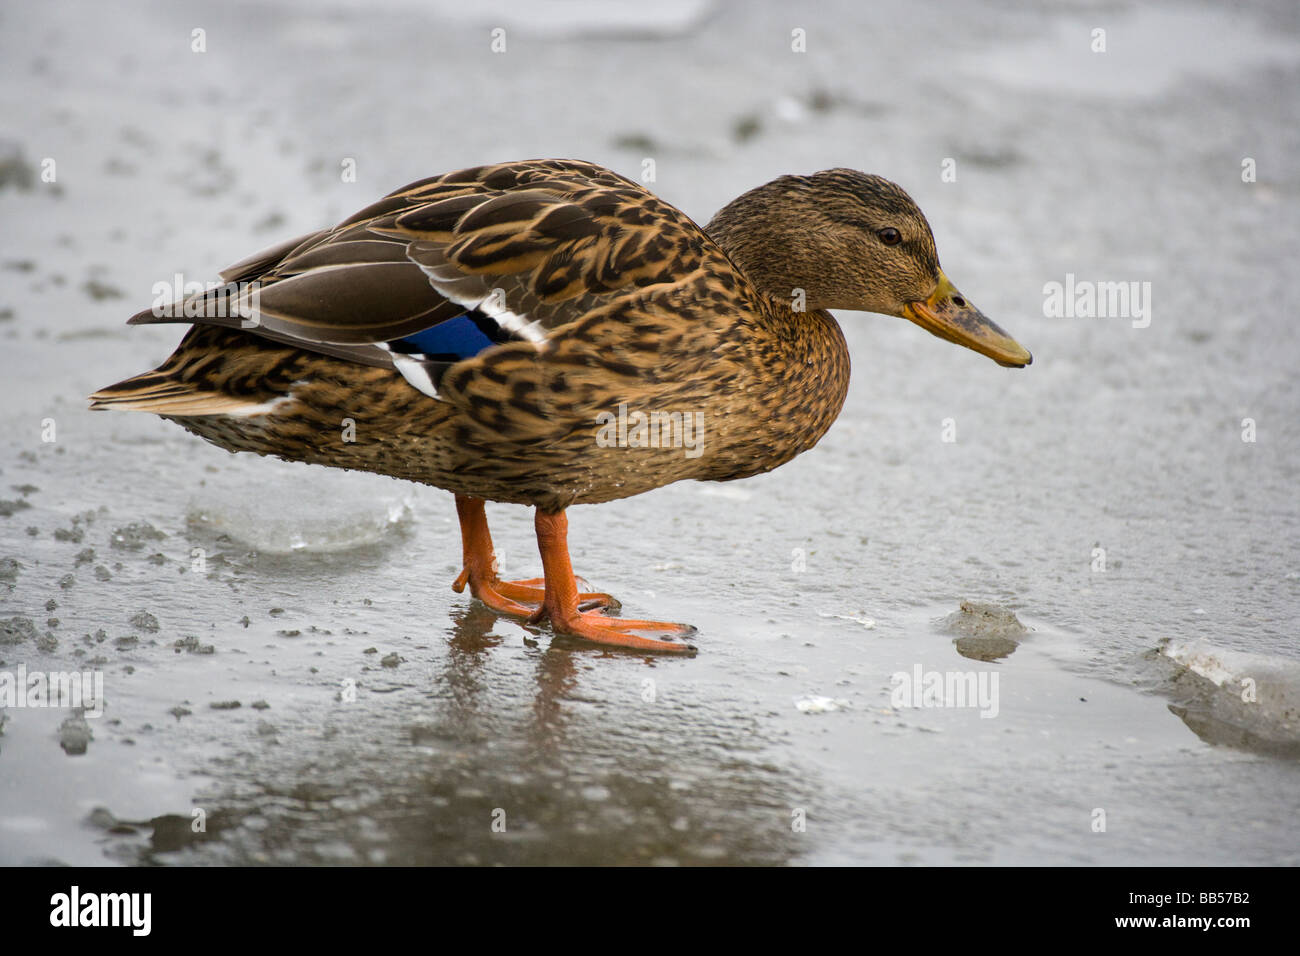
column 550, row 333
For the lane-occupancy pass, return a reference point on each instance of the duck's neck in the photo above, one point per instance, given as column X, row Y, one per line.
column 798, row 351
column 801, row 377
column 742, row 231
column 811, row 347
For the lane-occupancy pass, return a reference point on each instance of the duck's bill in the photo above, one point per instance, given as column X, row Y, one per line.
column 950, row 316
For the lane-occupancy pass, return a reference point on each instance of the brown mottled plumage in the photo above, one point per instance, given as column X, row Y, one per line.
column 601, row 300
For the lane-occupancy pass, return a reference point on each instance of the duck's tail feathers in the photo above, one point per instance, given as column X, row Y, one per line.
column 161, row 394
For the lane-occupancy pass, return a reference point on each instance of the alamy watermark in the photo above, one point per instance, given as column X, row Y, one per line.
column 130, row 910
column 24, row 688
column 920, row 688
column 657, row 429
column 207, row 300
column 1084, row 299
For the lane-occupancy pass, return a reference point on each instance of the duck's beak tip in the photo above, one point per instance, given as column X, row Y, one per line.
column 947, row 314
column 1016, row 363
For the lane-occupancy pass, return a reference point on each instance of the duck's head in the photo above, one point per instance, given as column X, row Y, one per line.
column 853, row 241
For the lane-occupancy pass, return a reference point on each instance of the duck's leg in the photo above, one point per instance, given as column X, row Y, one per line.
column 561, row 602
column 518, row 598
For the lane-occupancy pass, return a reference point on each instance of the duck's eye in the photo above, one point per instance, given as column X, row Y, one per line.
column 890, row 236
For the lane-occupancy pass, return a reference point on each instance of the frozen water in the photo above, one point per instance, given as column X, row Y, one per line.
column 1105, row 496
column 1144, row 52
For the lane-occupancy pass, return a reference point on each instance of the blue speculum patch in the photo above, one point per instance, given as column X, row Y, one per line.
column 459, row 338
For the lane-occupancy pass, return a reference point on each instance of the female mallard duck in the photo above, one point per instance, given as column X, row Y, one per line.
column 550, row 333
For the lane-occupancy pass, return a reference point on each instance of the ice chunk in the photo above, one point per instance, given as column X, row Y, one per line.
column 819, row 705
column 1235, row 698
column 331, row 513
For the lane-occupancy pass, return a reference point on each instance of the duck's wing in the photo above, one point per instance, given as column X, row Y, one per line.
column 457, row 265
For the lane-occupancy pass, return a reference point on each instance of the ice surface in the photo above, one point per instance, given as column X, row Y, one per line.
column 1122, row 166
column 1148, row 50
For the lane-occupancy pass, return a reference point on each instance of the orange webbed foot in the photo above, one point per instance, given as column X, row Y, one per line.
column 523, row 598
column 533, row 591
column 561, row 603
column 560, row 598
column 616, row 631
column 493, row 593
column 479, row 573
